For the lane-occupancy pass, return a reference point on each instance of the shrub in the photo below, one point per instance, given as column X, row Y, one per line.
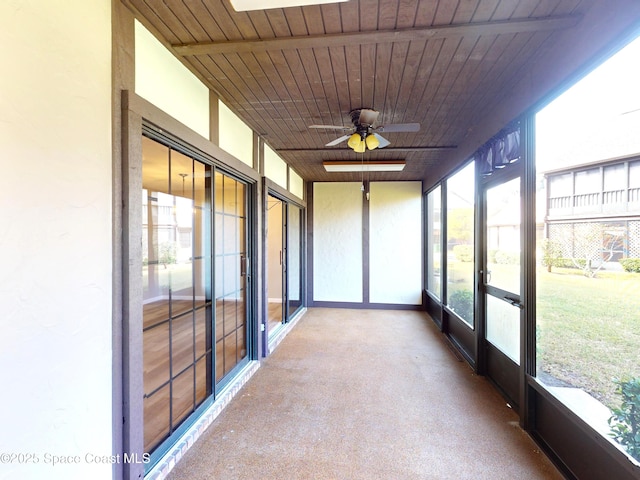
column 579, row 263
column 464, row 253
column 551, row 254
column 625, row 421
column 507, row 258
column 630, row 264
column 461, row 302
column 167, row 253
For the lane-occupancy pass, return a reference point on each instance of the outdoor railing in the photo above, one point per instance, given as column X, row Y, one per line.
column 621, row 200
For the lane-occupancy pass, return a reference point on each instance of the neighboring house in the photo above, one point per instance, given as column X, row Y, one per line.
column 593, row 210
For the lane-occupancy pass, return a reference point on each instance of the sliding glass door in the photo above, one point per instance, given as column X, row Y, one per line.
column 231, row 273
column 284, row 261
column 177, row 296
column 294, row 259
column 195, row 286
column 276, row 266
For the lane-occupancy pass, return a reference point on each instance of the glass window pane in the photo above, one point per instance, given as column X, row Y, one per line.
column 294, row 293
column 561, row 185
column 182, row 344
column 203, row 340
column 503, row 236
column 460, row 242
column 155, row 343
column 230, row 205
column 634, row 175
column 434, row 242
column 181, row 175
column 587, row 305
column 219, row 192
column 275, row 260
column 202, row 185
column 177, row 246
column 156, row 418
column 614, row 177
column 587, row 181
column 203, row 384
column 183, row 395
column 230, row 235
column 230, row 240
column 220, row 370
column 240, row 199
column 503, row 327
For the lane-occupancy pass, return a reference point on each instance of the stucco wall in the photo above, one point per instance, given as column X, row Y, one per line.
column 55, row 238
column 337, row 242
column 395, row 243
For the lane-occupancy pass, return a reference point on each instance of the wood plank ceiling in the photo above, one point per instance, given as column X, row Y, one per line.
column 443, row 64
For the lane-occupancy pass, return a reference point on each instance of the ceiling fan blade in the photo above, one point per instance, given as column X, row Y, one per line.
column 337, row 140
column 399, row 127
column 368, row 116
column 331, row 127
column 383, row 141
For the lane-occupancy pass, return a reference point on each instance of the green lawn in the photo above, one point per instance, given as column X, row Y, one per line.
column 589, row 329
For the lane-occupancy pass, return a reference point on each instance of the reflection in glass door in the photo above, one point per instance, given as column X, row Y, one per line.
column 502, row 284
column 177, row 304
column 191, row 345
column 275, row 262
column 231, row 274
column 284, row 261
column 294, row 260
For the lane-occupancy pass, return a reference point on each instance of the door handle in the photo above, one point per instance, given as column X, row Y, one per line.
column 243, row 265
column 513, row 301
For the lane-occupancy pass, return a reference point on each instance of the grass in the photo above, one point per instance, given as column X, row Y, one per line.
column 589, row 329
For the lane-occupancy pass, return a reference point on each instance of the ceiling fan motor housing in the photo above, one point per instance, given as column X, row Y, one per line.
column 363, row 116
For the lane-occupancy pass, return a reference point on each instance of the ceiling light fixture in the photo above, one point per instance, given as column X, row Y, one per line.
column 351, row 166
column 372, row 142
column 356, row 142
column 363, row 140
column 246, row 5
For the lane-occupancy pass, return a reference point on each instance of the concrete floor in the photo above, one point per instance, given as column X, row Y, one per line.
column 365, row 394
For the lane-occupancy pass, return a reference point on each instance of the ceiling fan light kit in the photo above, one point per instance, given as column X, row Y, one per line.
column 354, row 141
column 372, row 142
column 365, row 135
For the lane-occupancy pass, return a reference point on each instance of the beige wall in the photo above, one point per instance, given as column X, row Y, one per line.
column 55, row 236
column 395, row 243
column 337, row 242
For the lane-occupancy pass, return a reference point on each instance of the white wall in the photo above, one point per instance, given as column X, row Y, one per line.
column 337, row 242
column 55, row 236
column 395, row 246
column 168, row 84
column 274, row 167
column 296, row 184
column 235, row 136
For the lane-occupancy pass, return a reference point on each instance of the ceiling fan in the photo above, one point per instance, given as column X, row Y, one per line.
column 364, row 134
